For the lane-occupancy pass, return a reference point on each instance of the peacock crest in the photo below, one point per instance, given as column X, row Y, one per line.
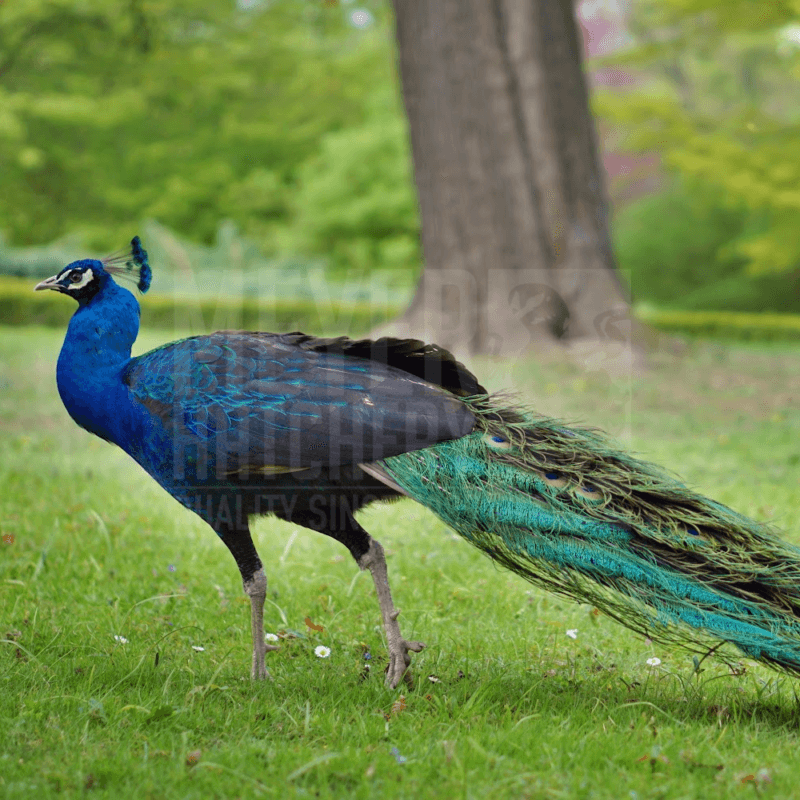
column 131, row 264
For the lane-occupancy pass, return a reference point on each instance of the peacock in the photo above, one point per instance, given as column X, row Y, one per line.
column 239, row 424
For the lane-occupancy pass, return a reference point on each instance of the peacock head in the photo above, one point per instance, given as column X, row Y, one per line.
column 84, row 279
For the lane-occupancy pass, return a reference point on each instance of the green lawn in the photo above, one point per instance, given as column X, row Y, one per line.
column 505, row 704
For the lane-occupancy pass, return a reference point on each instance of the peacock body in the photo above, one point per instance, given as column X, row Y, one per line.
column 237, row 424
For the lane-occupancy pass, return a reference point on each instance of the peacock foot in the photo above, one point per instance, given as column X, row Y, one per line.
column 400, row 661
column 259, row 671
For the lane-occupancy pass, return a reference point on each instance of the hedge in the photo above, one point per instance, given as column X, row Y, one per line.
column 723, row 324
column 19, row 305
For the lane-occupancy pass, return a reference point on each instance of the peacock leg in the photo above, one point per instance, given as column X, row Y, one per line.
column 368, row 554
column 254, row 582
column 256, row 590
column 399, row 659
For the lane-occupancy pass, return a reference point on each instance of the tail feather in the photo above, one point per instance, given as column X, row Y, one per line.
column 562, row 508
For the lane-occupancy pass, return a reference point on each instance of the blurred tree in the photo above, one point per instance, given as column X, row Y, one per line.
column 716, row 93
column 514, row 217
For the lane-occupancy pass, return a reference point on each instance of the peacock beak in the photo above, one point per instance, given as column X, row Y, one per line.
column 50, row 283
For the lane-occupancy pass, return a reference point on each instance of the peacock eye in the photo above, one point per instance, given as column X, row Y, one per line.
column 75, row 277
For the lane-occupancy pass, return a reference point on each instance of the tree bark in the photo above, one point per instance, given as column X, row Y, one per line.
column 514, row 214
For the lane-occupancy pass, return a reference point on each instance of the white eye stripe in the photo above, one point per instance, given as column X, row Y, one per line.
column 86, row 278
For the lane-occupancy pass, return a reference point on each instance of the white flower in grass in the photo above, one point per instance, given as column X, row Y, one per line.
column 198, row 649
column 271, row 637
column 572, row 633
column 653, row 662
column 321, row 651
column 120, row 639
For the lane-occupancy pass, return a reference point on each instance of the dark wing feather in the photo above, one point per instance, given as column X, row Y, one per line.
column 430, row 362
column 259, row 401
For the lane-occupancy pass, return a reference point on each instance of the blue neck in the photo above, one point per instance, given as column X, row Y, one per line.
column 96, row 349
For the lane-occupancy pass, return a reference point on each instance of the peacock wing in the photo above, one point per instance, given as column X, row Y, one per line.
column 265, row 401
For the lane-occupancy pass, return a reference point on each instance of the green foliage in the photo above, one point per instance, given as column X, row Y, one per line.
column 670, row 243
column 680, row 248
column 516, row 708
column 768, row 293
column 356, row 201
column 112, row 112
column 711, row 92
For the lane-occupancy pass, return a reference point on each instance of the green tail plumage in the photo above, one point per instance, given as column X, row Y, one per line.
column 561, row 507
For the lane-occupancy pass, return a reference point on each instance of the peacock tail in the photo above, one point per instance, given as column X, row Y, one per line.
column 564, row 509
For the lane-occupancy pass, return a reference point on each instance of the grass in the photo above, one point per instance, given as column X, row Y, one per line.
column 92, row 549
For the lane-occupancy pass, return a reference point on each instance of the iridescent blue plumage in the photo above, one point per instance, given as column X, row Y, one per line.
column 267, row 400
column 237, row 424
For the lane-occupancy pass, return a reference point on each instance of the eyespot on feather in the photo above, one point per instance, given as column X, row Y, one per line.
column 698, row 535
column 497, row 442
column 589, row 492
column 553, row 479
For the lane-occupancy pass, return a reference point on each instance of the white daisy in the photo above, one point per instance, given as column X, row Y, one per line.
column 271, row 637
column 653, row 662
column 321, row 651
column 120, row 639
column 198, row 649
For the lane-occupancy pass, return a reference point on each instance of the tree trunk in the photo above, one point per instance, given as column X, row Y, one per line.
column 514, row 215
